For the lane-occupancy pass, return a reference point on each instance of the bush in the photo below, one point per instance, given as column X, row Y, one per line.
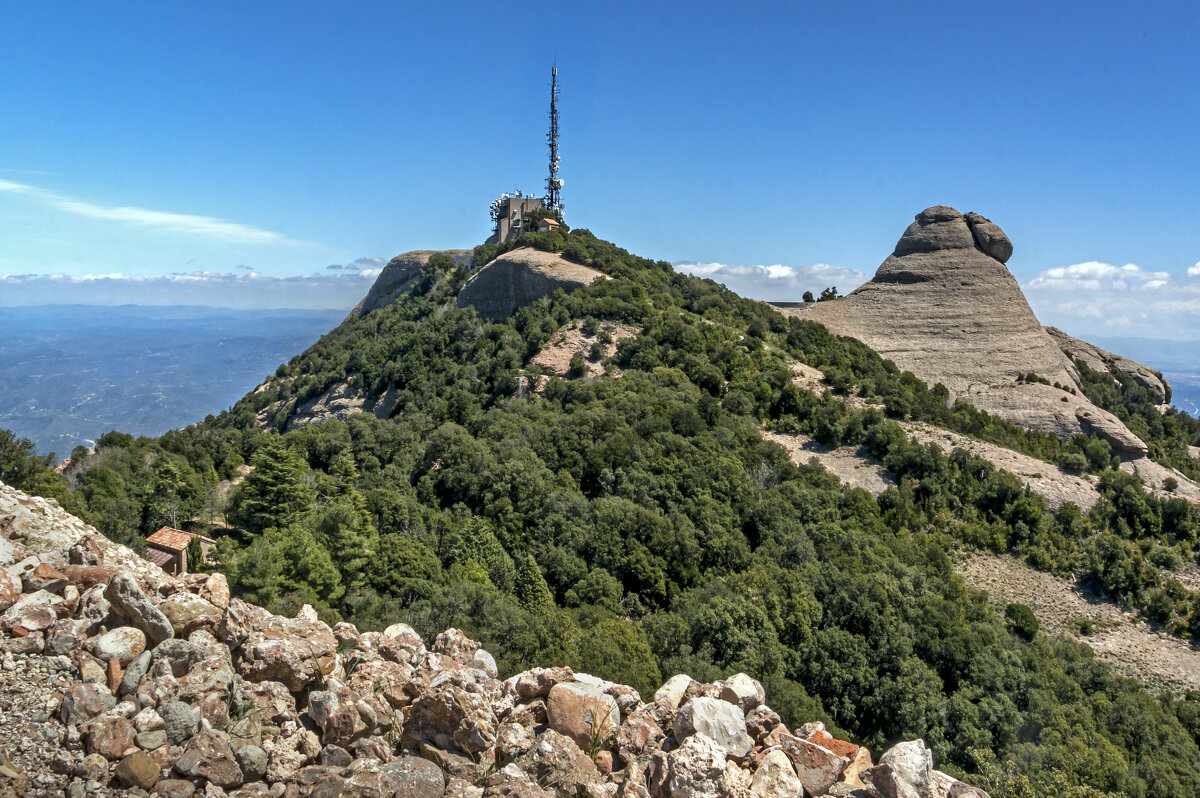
column 1021, row 620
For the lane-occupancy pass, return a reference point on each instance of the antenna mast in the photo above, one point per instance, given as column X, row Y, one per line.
column 554, row 183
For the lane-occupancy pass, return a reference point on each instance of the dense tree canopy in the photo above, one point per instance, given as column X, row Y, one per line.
column 640, row 525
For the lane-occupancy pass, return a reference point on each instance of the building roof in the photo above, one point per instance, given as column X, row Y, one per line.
column 159, row 557
column 549, row 222
column 168, row 538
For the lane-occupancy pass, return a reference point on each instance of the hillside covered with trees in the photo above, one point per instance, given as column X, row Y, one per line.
column 636, row 525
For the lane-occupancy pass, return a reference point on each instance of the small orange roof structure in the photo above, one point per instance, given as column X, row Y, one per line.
column 159, row 558
column 173, row 539
column 547, row 223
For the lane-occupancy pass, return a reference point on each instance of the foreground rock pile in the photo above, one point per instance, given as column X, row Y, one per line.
column 116, row 679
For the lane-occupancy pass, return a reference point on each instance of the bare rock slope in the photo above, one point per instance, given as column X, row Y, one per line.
column 1108, row 363
column 944, row 306
column 399, row 275
column 519, row 277
column 116, row 679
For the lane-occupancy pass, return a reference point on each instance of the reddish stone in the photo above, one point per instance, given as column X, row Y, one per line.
column 839, row 747
column 86, row 576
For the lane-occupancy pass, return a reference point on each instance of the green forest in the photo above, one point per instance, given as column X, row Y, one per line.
column 637, row 525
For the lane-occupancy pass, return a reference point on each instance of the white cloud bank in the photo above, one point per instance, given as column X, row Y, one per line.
column 776, row 283
column 205, row 226
column 1095, row 298
column 240, row 290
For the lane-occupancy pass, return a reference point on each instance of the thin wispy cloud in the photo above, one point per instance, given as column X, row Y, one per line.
column 188, row 224
column 236, row 289
column 776, row 283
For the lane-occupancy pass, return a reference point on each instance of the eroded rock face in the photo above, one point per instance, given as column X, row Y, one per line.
column 520, row 277
column 1122, row 368
column 944, row 307
column 399, row 275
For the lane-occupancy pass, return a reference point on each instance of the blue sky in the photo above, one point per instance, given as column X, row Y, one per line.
column 778, row 145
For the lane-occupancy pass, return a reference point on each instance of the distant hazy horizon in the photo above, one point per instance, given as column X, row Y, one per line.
column 75, row 371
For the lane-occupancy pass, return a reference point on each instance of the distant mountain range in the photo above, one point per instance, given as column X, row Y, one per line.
column 73, row 372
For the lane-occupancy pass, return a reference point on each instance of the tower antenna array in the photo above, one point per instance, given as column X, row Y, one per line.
column 554, row 183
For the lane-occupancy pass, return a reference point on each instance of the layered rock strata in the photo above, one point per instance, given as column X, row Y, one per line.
column 109, row 689
column 944, row 306
column 519, row 277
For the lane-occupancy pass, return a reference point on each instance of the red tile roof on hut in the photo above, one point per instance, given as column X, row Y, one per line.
column 168, row 538
column 168, row 549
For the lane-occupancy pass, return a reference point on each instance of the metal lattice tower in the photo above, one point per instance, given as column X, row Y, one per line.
column 554, row 183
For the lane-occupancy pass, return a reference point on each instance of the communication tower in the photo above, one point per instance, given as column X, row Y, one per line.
column 554, row 183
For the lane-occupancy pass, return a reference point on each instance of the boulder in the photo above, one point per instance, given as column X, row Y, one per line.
column 672, row 692
column 743, row 692
column 129, row 602
column 44, row 577
column 697, row 769
column 913, row 763
column 179, row 655
column 583, row 713
column 538, row 682
column 944, row 786
column 639, row 734
column 178, row 720
column 83, row 702
column 557, row 763
column 485, row 662
column 452, row 718
column 208, row 756
column 718, row 720
column 187, row 613
column 252, row 761
column 216, row 591
column 287, row 650
column 134, row 674
column 775, row 777
column 138, row 770
column 110, row 737
column 990, row 238
column 883, row 781
column 817, row 767
column 455, row 645
column 10, row 589
column 124, row 644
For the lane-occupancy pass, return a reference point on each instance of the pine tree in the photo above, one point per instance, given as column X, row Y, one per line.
column 532, row 591
column 275, row 493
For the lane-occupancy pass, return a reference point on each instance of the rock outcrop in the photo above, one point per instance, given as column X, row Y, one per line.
column 255, row 705
column 1121, row 368
column 520, row 277
column 399, row 275
column 944, row 306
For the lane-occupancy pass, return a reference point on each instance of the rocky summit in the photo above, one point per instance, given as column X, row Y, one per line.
column 944, row 306
column 399, row 275
column 107, row 688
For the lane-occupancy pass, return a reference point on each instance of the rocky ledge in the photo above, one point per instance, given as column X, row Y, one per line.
column 117, row 679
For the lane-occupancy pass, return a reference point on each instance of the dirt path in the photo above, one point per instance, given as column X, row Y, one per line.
column 1119, row 638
